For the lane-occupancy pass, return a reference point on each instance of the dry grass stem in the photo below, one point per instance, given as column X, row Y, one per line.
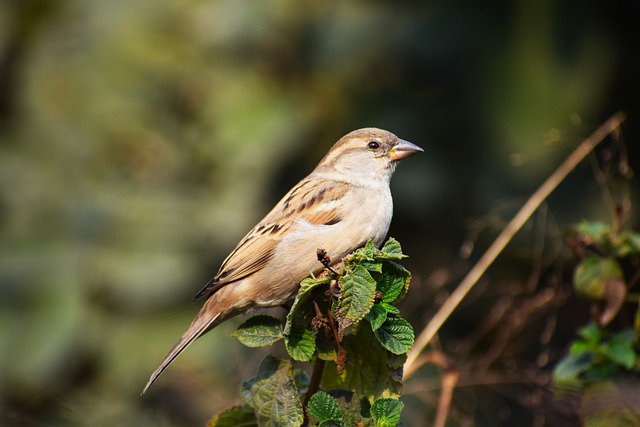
column 532, row 204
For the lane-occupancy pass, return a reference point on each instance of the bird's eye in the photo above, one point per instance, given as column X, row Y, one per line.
column 373, row 145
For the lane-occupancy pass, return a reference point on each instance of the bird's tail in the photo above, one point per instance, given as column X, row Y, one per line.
column 204, row 321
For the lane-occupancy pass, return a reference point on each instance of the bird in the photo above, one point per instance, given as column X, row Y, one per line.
column 341, row 205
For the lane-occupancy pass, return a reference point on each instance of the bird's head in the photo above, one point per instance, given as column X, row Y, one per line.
column 368, row 153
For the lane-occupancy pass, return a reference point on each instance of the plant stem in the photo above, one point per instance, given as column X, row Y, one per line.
column 314, row 385
column 472, row 277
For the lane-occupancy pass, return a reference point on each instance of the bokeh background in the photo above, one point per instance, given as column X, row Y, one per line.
column 140, row 140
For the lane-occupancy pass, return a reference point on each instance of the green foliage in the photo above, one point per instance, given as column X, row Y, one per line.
column 608, row 240
column 372, row 371
column 358, row 292
column 593, row 274
column 395, row 334
column 324, row 409
column 273, row 394
column 594, row 357
column 386, row 412
column 602, row 354
column 259, row 331
column 363, row 359
column 237, row 416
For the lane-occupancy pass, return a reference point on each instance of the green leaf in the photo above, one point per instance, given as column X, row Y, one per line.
column 365, row 253
column 395, row 334
column 259, row 331
column 372, row 373
column 353, row 410
column 376, row 316
column 596, row 231
column 386, row 412
column 591, row 334
column 275, row 399
column 237, row 416
column 308, row 288
column 357, row 296
column 621, row 351
column 268, row 367
column 571, row 367
column 324, row 408
column 629, row 244
column 591, row 275
column 299, row 340
column 301, row 344
column 375, row 267
column 391, row 250
column 392, row 309
column 579, row 347
column 394, row 282
column 601, row 371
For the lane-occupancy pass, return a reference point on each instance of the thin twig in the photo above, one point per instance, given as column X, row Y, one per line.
column 506, row 235
column 314, row 386
column 449, row 382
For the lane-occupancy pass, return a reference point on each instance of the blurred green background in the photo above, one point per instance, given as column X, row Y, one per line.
column 140, row 140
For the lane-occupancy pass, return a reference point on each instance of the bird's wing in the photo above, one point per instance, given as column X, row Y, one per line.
column 305, row 202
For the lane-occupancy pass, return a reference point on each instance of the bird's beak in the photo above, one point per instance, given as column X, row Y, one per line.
column 403, row 150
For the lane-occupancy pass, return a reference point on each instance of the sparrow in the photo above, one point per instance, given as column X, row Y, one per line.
column 344, row 202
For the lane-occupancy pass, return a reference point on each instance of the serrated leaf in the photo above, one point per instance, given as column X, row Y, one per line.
column 275, row 399
column 301, row 344
column 268, row 367
column 375, row 267
column 259, row 331
column 324, row 408
column 592, row 274
column 394, row 282
column 391, row 309
column 237, row 416
column 376, row 316
column 358, row 295
column 386, row 412
column 365, row 253
column 391, row 250
column 395, row 334
column 372, row 373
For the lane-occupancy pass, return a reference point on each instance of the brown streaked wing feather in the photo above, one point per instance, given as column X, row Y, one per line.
column 303, row 202
column 251, row 255
column 319, row 206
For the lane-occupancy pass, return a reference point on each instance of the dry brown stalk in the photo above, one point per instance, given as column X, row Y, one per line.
column 532, row 204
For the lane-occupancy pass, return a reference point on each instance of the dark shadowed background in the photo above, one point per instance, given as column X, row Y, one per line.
column 139, row 141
